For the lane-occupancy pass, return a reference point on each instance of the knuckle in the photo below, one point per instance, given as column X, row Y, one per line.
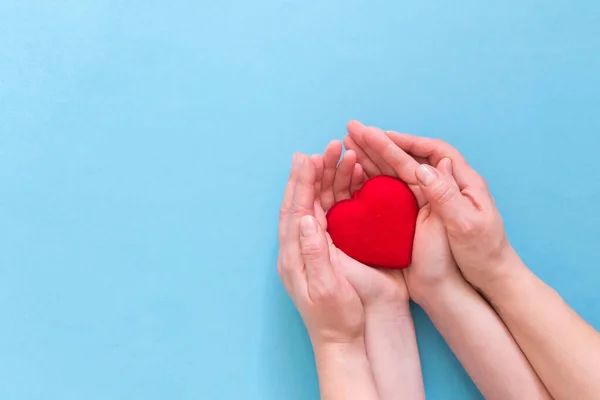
column 321, row 292
column 389, row 149
column 443, row 192
column 286, row 264
column 298, row 209
column 283, row 213
column 481, row 183
column 312, row 250
column 470, row 226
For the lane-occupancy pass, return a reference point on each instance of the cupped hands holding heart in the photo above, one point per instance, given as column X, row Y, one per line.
column 395, row 219
column 375, row 217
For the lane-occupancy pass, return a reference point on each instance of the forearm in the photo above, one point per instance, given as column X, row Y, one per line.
column 482, row 343
column 344, row 371
column 561, row 346
column 392, row 350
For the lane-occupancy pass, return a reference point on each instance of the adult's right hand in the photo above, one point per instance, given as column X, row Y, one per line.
column 474, row 226
column 561, row 347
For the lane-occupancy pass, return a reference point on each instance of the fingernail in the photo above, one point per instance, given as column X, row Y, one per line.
column 449, row 165
column 294, row 157
column 426, row 174
column 308, row 227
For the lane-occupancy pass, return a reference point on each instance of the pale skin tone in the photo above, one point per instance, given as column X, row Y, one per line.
column 562, row 348
column 330, row 307
column 470, row 326
column 389, row 332
column 349, row 309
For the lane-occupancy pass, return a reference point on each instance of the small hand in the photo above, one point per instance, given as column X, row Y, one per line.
column 330, row 307
column 335, row 183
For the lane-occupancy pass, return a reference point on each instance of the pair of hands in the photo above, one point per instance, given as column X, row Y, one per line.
column 457, row 220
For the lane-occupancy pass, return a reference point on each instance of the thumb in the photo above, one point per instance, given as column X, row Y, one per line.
column 441, row 191
column 315, row 253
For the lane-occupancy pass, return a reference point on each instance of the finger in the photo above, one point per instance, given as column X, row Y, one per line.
column 402, row 163
column 354, row 141
column 315, row 253
column 304, row 197
column 442, row 193
column 358, row 178
column 331, row 157
column 357, row 132
column 434, row 150
column 343, row 176
column 445, row 167
column 288, row 198
column 320, row 215
column 302, row 204
column 382, row 164
column 317, row 161
column 368, row 165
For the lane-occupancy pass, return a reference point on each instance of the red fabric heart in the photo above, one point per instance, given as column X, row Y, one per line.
column 376, row 226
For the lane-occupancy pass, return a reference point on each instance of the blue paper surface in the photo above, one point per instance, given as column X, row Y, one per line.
column 144, row 148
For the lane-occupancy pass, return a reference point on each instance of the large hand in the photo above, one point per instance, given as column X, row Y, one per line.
column 463, row 317
column 432, row 259
column 329, row 305
column 474, row 225
column 337, row 182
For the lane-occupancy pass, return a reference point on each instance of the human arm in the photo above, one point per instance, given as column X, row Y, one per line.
column 472, row 329
column 329, row 306
column 562, row 348
column 481, row 342
column 344, row 371
column 390, row 335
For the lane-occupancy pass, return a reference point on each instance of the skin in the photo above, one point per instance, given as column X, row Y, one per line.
column 563, row 349
column 463, row 317
column 390, row 335
column 330, row 307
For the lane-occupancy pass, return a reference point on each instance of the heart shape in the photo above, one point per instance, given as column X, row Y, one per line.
column 377, row 225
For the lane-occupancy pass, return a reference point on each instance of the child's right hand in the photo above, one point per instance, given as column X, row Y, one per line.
column 432, row 262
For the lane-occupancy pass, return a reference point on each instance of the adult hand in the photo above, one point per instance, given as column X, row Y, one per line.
column 329, row 305
column 335, row 183
column 462, row 316
column 458, row 195
column 562, row 348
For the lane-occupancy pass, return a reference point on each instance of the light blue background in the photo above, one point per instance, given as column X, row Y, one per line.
column 144, row 147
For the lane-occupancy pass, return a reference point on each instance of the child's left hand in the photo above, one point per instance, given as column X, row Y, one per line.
column 337, row 182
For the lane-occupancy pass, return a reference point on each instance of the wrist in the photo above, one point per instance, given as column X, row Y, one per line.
column 330, row 351
column 424, row 293
column 503, row 272
column 433, row 297
column 390, row 305
column 513, row 279
column 331, row 345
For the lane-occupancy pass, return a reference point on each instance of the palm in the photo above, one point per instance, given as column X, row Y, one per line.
column 371, row 283
column 335, row 183
column 431, row 259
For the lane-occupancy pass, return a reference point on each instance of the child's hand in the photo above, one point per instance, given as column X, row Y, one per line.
column 337, row 182
column 390, row 335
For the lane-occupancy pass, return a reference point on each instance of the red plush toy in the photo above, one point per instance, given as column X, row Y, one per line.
column 376, row 226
